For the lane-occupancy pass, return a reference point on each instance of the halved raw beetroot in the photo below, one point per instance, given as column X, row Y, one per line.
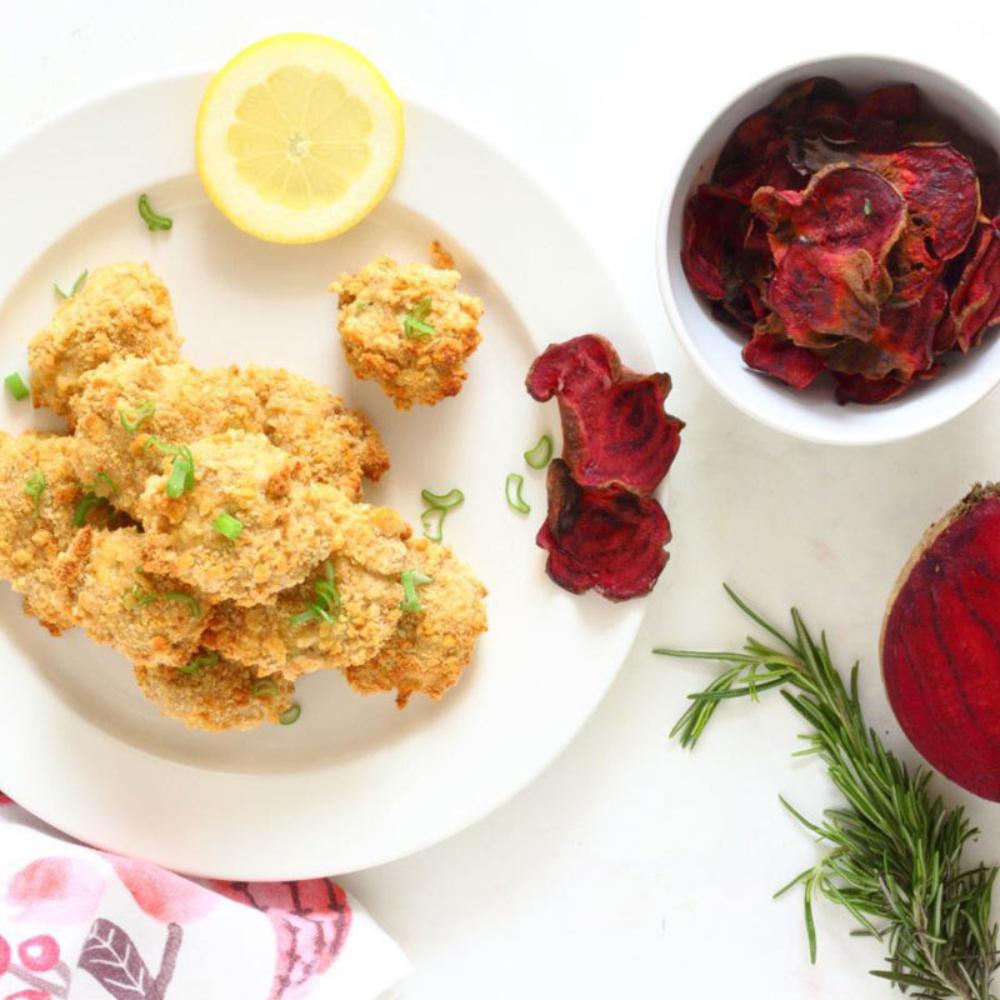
column 776, row 355
column 715, row 229
column 941, row 644
column 607, row 539
column 615, row 429
column 829, row 242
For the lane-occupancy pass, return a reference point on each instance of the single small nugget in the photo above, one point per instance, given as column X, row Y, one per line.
column 216, row 696
column 431, row 647
column 250, row 525
column 39, row 492
column 342, row 614
column 122, row 310
column 152, row 620
column 408, row 328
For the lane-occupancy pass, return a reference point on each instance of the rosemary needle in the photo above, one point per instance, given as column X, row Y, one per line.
column 895, row 849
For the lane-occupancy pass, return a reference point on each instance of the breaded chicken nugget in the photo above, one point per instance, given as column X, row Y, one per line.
column 341, row 615
column 216, row 696
column 408, row 328
column 250, row 525
column 38, row 497
column 338, row 445
column 122, row 311
column 148, row 618
column 430, row 648
column 121, row 404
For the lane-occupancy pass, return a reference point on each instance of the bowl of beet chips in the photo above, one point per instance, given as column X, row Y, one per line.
column 829, row 253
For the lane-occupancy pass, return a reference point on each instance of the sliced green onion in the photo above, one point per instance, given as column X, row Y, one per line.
column 290, row 714
column 181, row 478
column 327, row 605
column 513, row 491
column 87, row 503
column 446, row 501
column 34, row 486
column 135, row 597
column 226, row 524
column 432, row 520
column 77, row 285
column 540, row 456
column 205, row 660
column 413, row 321
column 411, row 579
column 153, row 219
column 16, row 387
column 265, row 688
column 101, row 477
column 131, row 423
column 191, row 602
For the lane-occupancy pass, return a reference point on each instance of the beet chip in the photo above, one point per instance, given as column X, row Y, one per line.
column 715, row 229
column 775, row 355
column 858, row 389
column 615, row 430
column 898, row 100
column 607, row 539
column 975, row 303
column 829, row 243
column 901, row 344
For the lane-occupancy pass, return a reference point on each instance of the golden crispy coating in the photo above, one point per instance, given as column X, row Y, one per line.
column 122, row 311
column 289, row 524
column 365, row 567
column 412, row 363
column 430, row 648
column 32, row 536
column 339, row 446
column 177, row 403
column 215, row 697
column 150, row 619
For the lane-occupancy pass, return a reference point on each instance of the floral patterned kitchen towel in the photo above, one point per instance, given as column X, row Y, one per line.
column 79, row 924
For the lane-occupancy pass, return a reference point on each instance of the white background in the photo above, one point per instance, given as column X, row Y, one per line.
column 629, row 869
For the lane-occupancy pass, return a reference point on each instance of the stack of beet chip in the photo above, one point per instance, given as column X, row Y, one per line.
column 604, row 530
column 858, row 237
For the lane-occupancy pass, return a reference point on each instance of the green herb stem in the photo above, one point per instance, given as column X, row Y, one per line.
column 895, row 849
column 290, row 715
column 414, row 325
column 131, row 422
column 265, row 688
column 229, row 526
column 204, row 660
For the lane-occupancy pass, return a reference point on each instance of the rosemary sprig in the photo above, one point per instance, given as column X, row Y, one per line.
column 895, row 850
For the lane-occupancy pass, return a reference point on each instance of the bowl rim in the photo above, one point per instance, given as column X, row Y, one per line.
column 672, row 192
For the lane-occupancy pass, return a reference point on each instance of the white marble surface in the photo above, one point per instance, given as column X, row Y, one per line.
column 629, row 869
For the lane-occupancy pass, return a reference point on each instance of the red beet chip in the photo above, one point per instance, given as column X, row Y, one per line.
column 941, row 645
column 715, row 229
column 975, row 303
column 615, row 429
column 858, row 389
column 902, row 344
column 829, row 242
column 775, row 355
column 755, row 155
column 898, row 100
column 610, row 539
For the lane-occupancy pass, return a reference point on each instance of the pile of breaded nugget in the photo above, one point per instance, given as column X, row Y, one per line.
column 209, row 524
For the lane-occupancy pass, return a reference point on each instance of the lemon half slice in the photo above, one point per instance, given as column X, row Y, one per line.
column 298, row 138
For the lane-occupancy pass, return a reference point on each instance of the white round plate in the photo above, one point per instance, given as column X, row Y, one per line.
column 355, row 782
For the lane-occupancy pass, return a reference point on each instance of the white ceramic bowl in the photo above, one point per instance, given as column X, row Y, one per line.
column 813, row 414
